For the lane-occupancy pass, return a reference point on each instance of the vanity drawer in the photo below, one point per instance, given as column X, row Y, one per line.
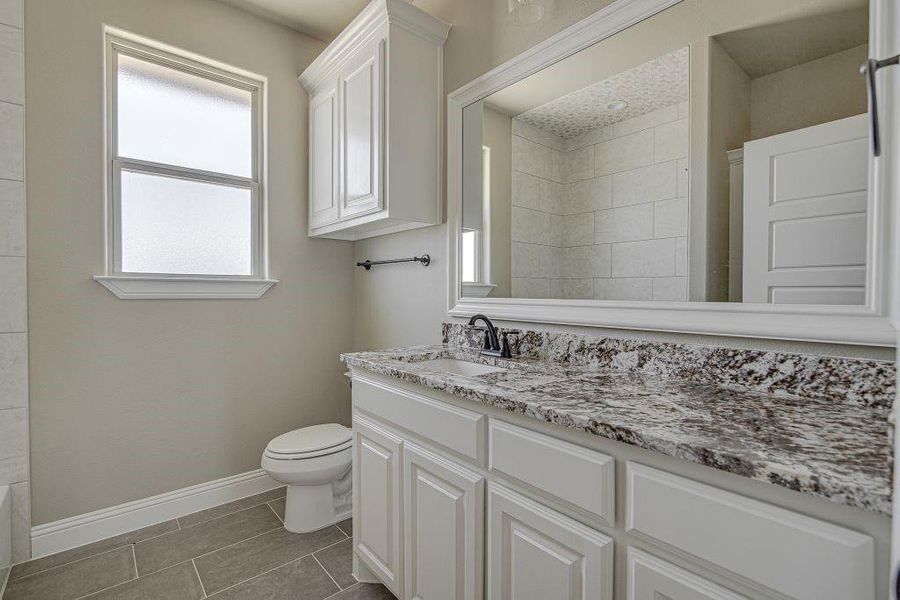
column 651, row 578
column 790, row 553
column 454, row 428
column 574, row 474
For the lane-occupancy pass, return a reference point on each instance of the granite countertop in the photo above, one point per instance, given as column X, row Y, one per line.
column 833, row 450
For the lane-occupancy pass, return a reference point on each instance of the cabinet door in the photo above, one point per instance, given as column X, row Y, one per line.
column 535, row 553
column 362, row 126
column 323, row 158
column 377, row 472
column 443, row 518
column 650, row 578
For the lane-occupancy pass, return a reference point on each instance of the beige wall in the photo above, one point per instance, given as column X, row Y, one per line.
column 135, row 398
column 729, row 128
column 497, row 136
column 406, row 305
column 815, row 92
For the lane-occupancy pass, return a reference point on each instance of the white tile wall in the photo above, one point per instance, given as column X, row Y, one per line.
column 13, row 371
column 623, row 289
column 603, row 214
column 625, row 224
column 530, row 226
column 624, row 153
column 13, row 339
column 588, row 195
column 649, row 258
column 645, row 184
column 523, row 287
column 526, row 190
column 673, row 289
column 12, row 218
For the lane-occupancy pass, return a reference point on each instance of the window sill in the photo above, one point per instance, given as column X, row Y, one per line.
column 184, row 288
column 472, row 289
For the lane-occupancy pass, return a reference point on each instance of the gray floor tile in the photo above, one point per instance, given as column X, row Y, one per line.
column 229, row 566
column 175, row 583
column 185, row 544
column 278, row 507
column 302, row 579
column 231, row 507
column 338, row 561
column 365, row 591
column 61, row 558
column 76, row 579
column 347, row 527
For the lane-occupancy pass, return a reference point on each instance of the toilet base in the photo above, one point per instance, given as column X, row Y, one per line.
column 313, row 507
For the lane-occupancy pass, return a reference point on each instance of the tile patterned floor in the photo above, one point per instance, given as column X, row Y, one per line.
column 236, row 551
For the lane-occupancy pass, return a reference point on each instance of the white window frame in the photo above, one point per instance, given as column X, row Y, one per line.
column 127, row 285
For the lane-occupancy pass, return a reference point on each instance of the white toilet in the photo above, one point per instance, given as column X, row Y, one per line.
column 314, row 462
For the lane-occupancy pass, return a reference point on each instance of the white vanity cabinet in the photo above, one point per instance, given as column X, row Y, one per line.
column 455, row 500
column 374, row 124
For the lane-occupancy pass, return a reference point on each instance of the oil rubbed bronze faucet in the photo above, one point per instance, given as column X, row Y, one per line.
column 492, row 345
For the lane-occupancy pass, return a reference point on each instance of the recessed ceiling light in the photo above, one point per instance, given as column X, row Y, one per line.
column 617, row 105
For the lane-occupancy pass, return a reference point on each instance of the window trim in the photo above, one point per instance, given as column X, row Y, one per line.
column 128, row 285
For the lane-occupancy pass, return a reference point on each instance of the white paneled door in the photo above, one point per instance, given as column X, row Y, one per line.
column 323, row 193
column 377, row 501
column 443, row 521
column 650, row 578
column 805, row 215
column 535, row 553
column 362, row 124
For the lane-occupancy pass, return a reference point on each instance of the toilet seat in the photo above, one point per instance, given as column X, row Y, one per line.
column 310, row 442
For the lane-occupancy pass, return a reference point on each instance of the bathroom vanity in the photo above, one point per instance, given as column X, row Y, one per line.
column 595, row 468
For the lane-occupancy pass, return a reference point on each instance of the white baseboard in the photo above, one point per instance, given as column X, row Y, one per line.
column 72, row 532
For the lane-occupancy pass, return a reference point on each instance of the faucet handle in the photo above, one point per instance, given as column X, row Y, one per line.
column 505, row 352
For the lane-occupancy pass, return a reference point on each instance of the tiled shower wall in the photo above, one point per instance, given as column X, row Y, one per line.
column 13, row 344
column 604, row 214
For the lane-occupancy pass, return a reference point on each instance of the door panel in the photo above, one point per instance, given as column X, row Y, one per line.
column 377, row 500
column 361, row 132
column 323, row 157
column 535, row 553
column 650, row 578
column 443, row 523
column 805, row 215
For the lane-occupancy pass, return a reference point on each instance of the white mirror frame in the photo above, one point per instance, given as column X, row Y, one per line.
column 869, row 324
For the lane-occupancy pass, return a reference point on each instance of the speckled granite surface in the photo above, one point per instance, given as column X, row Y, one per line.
column 851, row 381
column 835, row 450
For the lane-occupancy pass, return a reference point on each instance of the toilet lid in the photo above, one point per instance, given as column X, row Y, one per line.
column 311, row 439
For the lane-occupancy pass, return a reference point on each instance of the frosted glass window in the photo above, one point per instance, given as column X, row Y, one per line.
column 177, row 226
column 169, row 116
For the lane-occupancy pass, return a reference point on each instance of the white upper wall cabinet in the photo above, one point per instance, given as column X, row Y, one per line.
column 374, row 124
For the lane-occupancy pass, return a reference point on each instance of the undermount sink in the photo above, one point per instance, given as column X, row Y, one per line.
column 459, row 367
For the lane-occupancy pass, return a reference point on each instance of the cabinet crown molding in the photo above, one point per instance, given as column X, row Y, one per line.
column 373, row 17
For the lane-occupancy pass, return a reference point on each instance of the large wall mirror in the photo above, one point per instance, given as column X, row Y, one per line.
column 717, row 151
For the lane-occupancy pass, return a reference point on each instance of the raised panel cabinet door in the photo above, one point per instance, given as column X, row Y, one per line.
column 651, row 578
column 443, row 517
column 535, row 553
column 362, row 125
column 377, row 501
column 323, row 158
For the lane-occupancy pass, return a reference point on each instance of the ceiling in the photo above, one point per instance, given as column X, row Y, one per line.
column 649, row 86
column 770, row 48
column 321, row 19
